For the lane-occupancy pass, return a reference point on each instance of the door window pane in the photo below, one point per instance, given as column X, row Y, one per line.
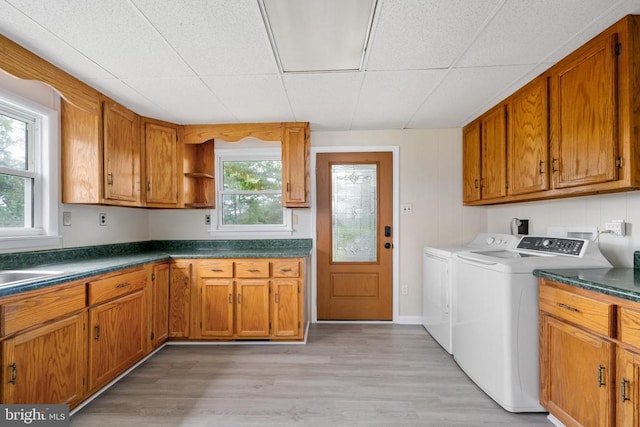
column 354, row 213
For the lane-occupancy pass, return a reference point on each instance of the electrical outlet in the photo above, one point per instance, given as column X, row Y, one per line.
column 405, row 289
column 617, row 226
column 407, row 208
column 66, row 219
column 102, row 219
column 207, row 219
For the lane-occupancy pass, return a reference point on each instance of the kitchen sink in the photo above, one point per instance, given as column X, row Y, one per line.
column 12, row 277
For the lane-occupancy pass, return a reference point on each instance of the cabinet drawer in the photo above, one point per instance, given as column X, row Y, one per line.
column 584, row 311
column 248, row 269
column 215, row 268
column 30, row 311
column 115, row 286
column 629, row 326
column 286, row 268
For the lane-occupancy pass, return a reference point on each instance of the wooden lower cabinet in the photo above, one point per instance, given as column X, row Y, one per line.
column 160, row 304
column 628, row 383
column 117, row 336
column 46, row 365
column 576, row 390
column 249, row 299
column 180, row 298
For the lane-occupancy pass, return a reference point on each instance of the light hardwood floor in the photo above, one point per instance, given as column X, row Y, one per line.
column 346, row 375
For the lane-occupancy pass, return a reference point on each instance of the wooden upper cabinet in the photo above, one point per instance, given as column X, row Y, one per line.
column 295, row 165
column 494, row 153
column 121, row 155
column 584, row 123
column 528, row 141
column 162, row 167
column 471, row 166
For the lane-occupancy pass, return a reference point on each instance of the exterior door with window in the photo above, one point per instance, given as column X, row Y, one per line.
column 354, row 241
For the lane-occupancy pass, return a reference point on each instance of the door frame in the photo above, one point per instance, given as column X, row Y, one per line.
column 395, row 151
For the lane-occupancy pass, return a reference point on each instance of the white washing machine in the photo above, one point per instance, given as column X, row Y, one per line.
column 495, row 324
column 438, row 275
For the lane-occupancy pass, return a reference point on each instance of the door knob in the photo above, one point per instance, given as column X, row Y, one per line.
column 388, row 245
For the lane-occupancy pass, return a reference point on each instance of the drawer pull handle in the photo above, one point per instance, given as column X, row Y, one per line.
column 97, row 332
column 217, row 270
column 601, row 376
column 567, row 307
column 123, row 285
column 254, row 270
column 285, row 270
column 14, row 373
column 623, row 389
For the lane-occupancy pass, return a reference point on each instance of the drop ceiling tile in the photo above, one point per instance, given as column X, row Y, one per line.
column 259, row 98
column 425, row 34
column 528, row 32
column 125, row 95
column 465, row 92
column 18, row 27
column 188, row 100
column 112, row 33
column 326, row 100
column 216, row 37
column 389, row 99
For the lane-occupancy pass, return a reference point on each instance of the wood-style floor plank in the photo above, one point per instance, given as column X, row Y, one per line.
column 346, row 375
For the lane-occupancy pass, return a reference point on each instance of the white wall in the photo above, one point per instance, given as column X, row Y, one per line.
column 592, row 211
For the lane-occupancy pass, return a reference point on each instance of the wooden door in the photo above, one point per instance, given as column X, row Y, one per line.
column 295, row 165
column 216, row 307
column 584, row 125
column 117, row 337
column 471, row 162
column 46, row 365
column 252, row 309
column 628, row 382
column 161, row 155
column 180, row 299
column 121, row 154
column 286, row 308
column 577, row 372
column 160, row 306
column 494, row 154
column 354, row 241
column 528, row 142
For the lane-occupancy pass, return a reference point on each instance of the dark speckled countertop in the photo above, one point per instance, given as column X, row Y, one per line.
column 79, row 263
column 617, row 282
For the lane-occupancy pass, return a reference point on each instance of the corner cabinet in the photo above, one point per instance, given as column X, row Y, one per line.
column 573, row 130
column 180, row 288
column 589, row 356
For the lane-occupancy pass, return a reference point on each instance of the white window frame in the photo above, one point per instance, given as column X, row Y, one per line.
column 44, row 170
column 248, row 231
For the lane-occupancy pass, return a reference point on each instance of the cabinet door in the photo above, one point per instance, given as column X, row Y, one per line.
column 295, row 166
column 628, row 382
column 252, row 312
column 46, row 365
column 180, row 299
column 160, row 307
column 494, row 154
column 216, row 307
column 528, row 142
column 584, row 116
column 117, row 337
column 471, row 166
column 161, row 155
column 286, row 308
column 576, row 374
column 121, row 155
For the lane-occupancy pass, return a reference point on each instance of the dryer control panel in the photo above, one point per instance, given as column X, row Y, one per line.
column 553, row 245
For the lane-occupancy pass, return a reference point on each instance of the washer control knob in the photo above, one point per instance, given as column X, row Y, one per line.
column 490, row 240
column 498, row 241
column 546, row 242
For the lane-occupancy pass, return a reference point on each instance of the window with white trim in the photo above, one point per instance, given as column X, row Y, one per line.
column 249, row 191
column 28, row 188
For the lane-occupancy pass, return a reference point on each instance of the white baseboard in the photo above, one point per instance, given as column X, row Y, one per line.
column 409, row 320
